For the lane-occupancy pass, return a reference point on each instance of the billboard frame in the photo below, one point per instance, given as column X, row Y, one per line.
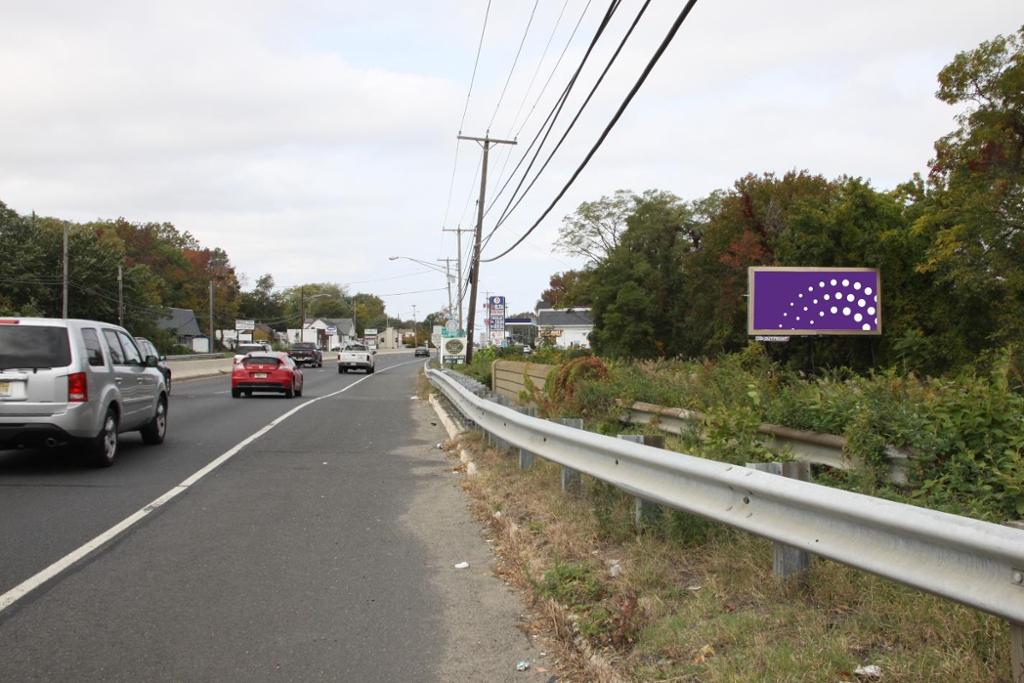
column 752, row 331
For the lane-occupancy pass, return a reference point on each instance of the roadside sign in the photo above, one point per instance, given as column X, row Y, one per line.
column 453, row 351
column 245, row 325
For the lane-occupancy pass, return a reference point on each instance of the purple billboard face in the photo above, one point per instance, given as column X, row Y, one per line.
column 790, row 301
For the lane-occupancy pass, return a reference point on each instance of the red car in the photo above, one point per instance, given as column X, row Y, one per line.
column 266, row 371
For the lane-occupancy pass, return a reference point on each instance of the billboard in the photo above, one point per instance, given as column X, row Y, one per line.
column 814, row 301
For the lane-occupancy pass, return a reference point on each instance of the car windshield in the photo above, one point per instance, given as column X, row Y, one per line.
column 303, row 345
column 34, row 346
column 249, row 348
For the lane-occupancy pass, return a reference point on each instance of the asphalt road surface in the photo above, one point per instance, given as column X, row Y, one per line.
column 323, row 549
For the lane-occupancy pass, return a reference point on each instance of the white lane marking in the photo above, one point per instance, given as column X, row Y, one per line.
column 83, row 551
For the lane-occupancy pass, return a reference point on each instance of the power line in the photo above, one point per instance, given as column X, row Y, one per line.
column 611, row 124
column 465, row 109
column 549, row 122
column 419, row 291
column 529, row 88
column 476, row 62
column 515, row 61
column 508, row 211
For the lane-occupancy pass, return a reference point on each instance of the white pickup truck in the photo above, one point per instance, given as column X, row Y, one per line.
column 356, row 357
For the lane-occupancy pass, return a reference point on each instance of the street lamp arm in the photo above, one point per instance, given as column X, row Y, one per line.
column 432, row 266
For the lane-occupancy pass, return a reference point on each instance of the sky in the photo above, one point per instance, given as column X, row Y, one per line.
column 313, row 140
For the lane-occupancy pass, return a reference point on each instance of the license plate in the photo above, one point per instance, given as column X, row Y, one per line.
column 5, row 388
column 259, row 375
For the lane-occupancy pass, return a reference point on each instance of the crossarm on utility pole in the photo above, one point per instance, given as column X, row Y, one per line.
column 486, row 142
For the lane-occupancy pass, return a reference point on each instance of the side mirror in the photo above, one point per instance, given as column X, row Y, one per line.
column 163, row 359
column 152, row 361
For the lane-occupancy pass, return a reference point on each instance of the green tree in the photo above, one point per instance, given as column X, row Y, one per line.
column 594, row 230
column 635, row 288
column 973, row 203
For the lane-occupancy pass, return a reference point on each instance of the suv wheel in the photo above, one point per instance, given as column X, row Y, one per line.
column 102, row 448
column 155, row 430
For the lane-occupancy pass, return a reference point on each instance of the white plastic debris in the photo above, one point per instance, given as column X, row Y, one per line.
column 462, row 565
column 470, row 469
column 614, row 568
column 522, row 666
column 440, row 446
column 497, row 514
column 872, row 672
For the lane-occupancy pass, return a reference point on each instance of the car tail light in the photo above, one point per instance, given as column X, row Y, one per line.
column 78, row 388
column 9, row 322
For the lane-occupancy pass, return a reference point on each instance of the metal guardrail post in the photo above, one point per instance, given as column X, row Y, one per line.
column 572, row 483
column 974, row 563
column 526, row 457
column 1017, row 652
column 645, row 513
column 787, row 561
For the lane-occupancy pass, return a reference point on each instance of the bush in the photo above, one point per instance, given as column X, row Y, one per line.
column 965, row 433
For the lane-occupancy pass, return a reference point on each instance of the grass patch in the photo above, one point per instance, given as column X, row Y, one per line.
column 692, row 600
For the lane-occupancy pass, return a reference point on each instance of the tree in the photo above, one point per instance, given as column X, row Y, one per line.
column 594, row 230
column 566, row 290
column 973, row 203
column 263, row 304
column 635, row 288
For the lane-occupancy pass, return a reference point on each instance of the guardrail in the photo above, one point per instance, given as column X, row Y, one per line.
column 508, row 379
column 975, row 563
column 812, row 447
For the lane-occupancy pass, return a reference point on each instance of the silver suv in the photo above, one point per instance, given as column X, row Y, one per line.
column 77, row 381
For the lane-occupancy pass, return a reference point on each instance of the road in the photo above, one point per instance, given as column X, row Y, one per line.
column 322, row 550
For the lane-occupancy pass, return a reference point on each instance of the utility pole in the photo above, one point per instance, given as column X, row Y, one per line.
column 211, row 317
column 302, row 313
column 64, row 305
column 448, row 276
column 485, row 142
column 120, row 296
column 415, row 333
column 458, row 231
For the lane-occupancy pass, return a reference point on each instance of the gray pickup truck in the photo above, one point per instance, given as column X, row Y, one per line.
column 306, row 353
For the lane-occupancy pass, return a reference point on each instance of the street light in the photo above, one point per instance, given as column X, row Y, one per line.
column 432, row 266
column 447, row 273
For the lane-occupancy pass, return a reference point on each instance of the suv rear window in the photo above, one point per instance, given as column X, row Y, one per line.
column 31, row 346
column 303, row 345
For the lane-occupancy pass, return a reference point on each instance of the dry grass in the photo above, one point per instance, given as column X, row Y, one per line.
column 696, row 601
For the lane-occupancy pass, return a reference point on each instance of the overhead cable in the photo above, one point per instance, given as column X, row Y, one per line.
column 514, row 63
column 508, row 211
column 611, row 124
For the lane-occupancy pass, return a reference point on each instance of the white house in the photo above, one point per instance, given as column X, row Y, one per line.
column 570, row 328
column 326, row 333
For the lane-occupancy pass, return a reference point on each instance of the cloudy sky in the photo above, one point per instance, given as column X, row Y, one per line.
column 312, row 140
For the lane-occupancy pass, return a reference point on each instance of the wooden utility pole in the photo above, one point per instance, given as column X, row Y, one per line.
column 120, row 296
column 302, row 313
column 448, row 277
column 415, row 332
column 485, row 142
column 458, row 231
column 210, row 349
column 64, row 305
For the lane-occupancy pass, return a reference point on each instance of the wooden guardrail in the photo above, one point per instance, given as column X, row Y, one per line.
column 508, row 377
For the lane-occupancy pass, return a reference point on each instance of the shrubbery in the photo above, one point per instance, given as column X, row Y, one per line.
column 965, row 433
